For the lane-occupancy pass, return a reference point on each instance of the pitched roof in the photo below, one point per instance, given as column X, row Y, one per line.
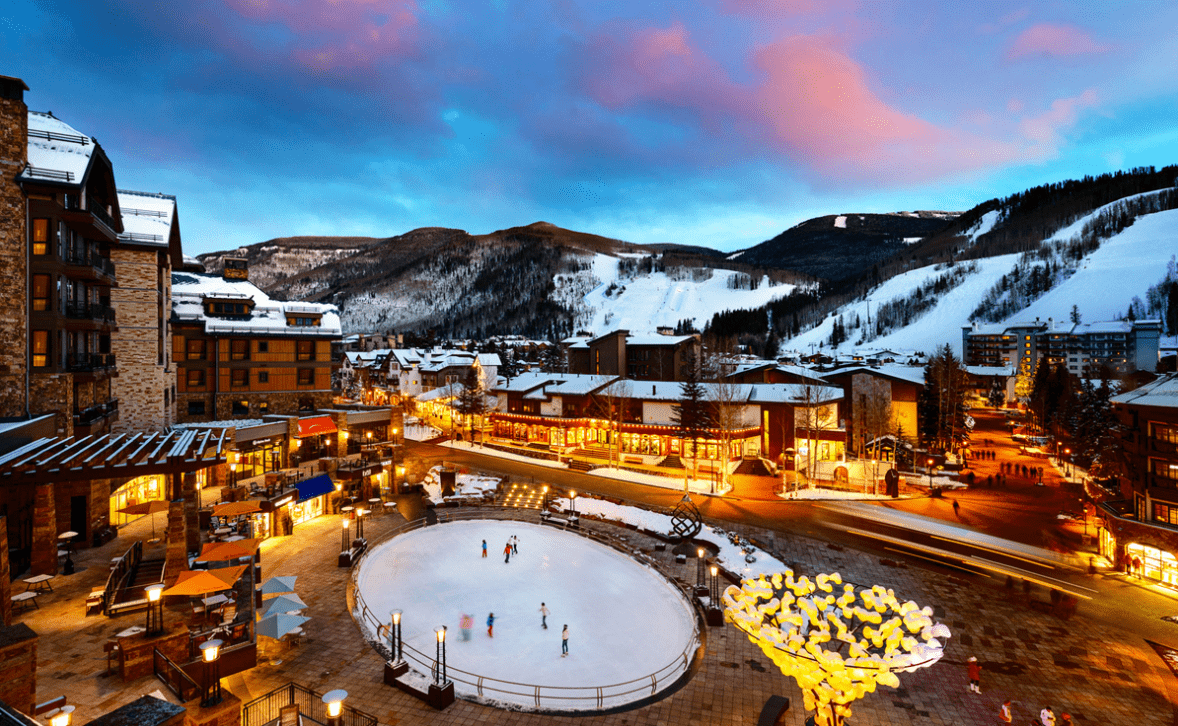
column 55, row 146
column 1162, row 393
column 147, row 217
column 189, row 289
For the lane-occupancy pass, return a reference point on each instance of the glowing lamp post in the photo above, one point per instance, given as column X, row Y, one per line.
column 929, row 469
column 1067, row 463
column 699, row 568
column 545, row 490
column 712, row 594
column 573, row 502
column 210, row 652
column 440, row 669
column 62, row 716
column 155, row 608
column 793, row 619
column 334, row 703
column 395, row 643
column 346, row 544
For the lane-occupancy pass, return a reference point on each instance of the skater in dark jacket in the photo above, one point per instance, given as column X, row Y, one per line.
column 491, row 625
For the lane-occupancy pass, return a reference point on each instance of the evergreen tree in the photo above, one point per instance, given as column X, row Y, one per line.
column 940, row 408
column 693, row 415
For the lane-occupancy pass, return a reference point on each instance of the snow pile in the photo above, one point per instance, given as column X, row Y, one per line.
column 818, row 493
column 704, row 486
column 610, row 602
column 938, row 482
column 466, row 486
column 420, row 432
column 840, row 222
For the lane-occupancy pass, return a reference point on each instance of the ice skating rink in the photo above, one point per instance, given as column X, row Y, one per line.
column 625, row 621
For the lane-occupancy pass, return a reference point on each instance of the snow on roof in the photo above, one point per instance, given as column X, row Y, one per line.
column 754, row 393
column 147, row 217
column 528, row 380
column 793, row 393
column 912, row 374
column 231, row 423
column 450, row 390
column 577, row 384
column 1162, row 393
column 577, row 341
column 189, row 289
column 489, row 359
column 54, row 145
column 657, row 339
column 990, row 370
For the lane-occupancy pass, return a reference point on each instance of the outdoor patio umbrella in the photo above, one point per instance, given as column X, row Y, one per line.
column 148, row 508
column 224, row 551
column 203, row 582
column 235, row 509
column 276, row 585
column 283, row 604
column 278, row 625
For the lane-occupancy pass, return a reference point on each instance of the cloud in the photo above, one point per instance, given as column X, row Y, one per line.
column 1053, row 40
column 762, row 8
column 1014, row 16
column 1044, row 130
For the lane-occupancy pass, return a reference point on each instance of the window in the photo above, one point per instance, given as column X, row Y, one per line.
column 306, row 404
column 239, row 377
column 302, row 322
column 263, row 376
column 196, row 408
column 239, row 350
column 195, row 378
column 40, row 348
column 241, row 408
column 227, row 309
column 263, row 346
column 263, row 408
column 196, row 349
column 40, row 292
column 306, row 376
column 40, row 236
column 306, row 350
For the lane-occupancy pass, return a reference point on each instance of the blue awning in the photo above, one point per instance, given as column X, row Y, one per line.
column 316, row 486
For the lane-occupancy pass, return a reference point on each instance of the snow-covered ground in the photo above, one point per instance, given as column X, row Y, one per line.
column 420, row 432
column 818, row 493
column 610, row 602
column 697, row 486
column 468, row 486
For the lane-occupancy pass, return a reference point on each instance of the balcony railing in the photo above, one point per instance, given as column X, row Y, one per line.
column 89, row 361
column 87, row 416
column 79, row 310
column 87, row 257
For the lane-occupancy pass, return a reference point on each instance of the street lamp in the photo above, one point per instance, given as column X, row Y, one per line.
column 874, row 478
column 545, row 497
column 334, row 700
column 360, row 522
column 440, row 670
column 929, row 469
column 699, row 567
column 62, row 716
column 155, row 608
column 210, row 652
column 347, row 543
column 712, row 590
column 395, row 649
column 1068, row 463
column 573, row 501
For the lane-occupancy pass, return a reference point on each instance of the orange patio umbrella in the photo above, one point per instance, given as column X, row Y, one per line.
column 223, row 551
column 235, row 509
column 148, row 508
column 202, row 582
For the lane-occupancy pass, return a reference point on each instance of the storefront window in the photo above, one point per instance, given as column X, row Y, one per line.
column 1155, row 564
column 305, row 511
column 138, row 490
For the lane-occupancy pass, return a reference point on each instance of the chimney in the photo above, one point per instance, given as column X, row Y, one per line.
column 236, row 268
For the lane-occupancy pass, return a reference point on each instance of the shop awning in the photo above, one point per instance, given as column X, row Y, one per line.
column 316, row 425
column 316, row 486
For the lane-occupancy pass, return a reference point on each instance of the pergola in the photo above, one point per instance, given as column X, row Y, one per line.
column 112, row 456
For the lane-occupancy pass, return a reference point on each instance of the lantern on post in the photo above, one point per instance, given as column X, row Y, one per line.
column 334, row 703
column 62, row 716
column 210, row 652
column 440, row 665
column 155, row 608
column 346, row 544
column 395, row 649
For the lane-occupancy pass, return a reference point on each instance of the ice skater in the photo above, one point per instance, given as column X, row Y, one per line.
column 564, row 641
column 514, row 545
column 466, row 622
column 491, row 625
column 507, row 552
column 543, row 616
column 975, row 675
column 484, row 548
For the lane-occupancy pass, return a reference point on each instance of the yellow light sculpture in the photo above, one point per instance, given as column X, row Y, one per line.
column 838, row 641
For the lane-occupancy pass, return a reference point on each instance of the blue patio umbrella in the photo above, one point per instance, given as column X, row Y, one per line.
column 276, row 585
column 283, row 604
column 278, row 625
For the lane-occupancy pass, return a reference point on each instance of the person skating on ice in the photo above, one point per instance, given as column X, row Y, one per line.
column 564, row 641
column 484, row 548
column 491, row 625
column 507, row 552
column 543, row 616
column 466, row 622
column 514, row 545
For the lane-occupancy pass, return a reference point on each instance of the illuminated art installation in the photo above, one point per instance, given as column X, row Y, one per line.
column 837, row 644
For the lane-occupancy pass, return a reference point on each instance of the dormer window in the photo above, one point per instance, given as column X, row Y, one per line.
column 229, row 308
column 303, row 321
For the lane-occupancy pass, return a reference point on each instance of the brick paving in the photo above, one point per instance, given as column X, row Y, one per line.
column 1102, row 675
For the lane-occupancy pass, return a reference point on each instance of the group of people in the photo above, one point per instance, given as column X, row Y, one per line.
column 509, row 549
column 1006, row 710
column 466, row 622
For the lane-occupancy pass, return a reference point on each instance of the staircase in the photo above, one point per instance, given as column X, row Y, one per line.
column 131, row 596
column 753, row 467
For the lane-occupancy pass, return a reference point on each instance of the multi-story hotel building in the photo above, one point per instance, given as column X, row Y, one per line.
column 60, row 222
column 149, row 248
column 241, row 355
column 1121, row 346
column 658, row 357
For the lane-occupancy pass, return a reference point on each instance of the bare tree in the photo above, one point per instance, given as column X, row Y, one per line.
column 610, row 405
column 813, row 414
column 728, row 404
column 873, row 415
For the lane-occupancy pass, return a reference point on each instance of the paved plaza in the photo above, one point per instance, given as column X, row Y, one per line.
column 1101, row 675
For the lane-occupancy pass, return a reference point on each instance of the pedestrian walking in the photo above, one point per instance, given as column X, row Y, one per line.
column 484, row 548
column 564, row 641
column 1047, row 716
column 543, row 616
column 975, row 675
column 514, row 545
column 1065, row 720
column 1004, row 714
column 466, row 622
column 507, row 552
column 491, row 625
column 956, row 508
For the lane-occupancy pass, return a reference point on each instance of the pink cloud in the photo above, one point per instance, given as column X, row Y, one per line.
column 772, row 7
column 1053, row 40
column 1045, row 129
column 339, row 34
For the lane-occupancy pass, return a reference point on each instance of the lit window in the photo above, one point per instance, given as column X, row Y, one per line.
column 40, row 348
column 40, row 292
column 306, row 376
column 40, row 236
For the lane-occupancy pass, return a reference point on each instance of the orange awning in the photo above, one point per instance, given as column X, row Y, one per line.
column 224, row 551
column 151, row 507
column 234, row 509
column 202, row 582
column 316, row 425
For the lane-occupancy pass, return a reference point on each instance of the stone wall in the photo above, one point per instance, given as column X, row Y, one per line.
column 18, row 667
column 14, row 125
column 53, row 393
column 143, row 373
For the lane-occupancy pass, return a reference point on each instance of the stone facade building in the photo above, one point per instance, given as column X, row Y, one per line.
column 149, row 248
column 1121, row 346
column 658, row 357
column 241, row 355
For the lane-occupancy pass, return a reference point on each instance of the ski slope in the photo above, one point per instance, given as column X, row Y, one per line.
column 644, row 302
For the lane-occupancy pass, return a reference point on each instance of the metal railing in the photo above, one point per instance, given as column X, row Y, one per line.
column 94, row 413
column 89, row 311
column 265, row 709
column 120, row 573
column 560, row 698
column 51, row 174
column 174, row 677
column 89, row 361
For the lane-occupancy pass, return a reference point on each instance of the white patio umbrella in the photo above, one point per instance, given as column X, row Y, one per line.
column 276, row 585
column 283, row 604
column 278, row 625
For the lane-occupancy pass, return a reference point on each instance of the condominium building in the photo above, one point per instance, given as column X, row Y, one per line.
column 1119, row 346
